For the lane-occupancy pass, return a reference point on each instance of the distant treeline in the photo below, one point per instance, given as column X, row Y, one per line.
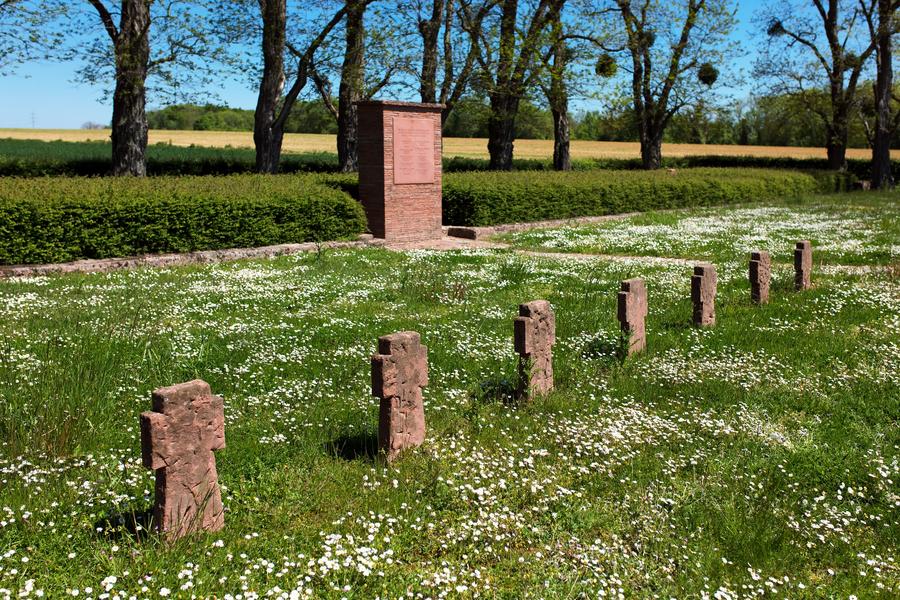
column 307, row 117
column 762, row 121
column 313, row 117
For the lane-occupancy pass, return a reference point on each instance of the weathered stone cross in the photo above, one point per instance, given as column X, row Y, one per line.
column 535, row 335
column 177, row 441
column 703, row 294
column 802, row 265
column 399, row 372
column 760, row 276
column 632, row 314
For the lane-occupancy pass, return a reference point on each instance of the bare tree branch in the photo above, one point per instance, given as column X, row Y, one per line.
column 106, row 18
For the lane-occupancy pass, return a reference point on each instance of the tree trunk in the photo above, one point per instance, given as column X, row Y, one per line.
column 430, row 30
column 651, row 145
column 505, row 97
column 455, row 82
column 836, row 153
column 559, row 102
column 502, row 130
column 562, row 160
column 881, row 148
column 268, row 131
column 837, row 129
column 836, row 145
column 129, row 120
column 350, row 91
column 743, row 133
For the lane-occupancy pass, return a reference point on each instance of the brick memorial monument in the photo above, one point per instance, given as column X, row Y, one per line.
column 400, row 169
column 760, row 276
column 802, row 265
column 632, row 315
column 535, row 333
column 178, row 439
column 703, row 295
column 399, row 372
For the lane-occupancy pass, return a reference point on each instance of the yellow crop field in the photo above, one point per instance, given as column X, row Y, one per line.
column 471, row 147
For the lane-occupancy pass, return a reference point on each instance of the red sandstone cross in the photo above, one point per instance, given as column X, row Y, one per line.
column 399, row 372
column 632, row 313
column 177, row 440
column 534, row 336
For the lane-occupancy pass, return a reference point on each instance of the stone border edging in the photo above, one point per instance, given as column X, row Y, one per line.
column 478, row 233
column 103, row 265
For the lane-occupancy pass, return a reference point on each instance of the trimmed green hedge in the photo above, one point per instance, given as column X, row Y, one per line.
column 859, row 168
column 32, row 158
column 44, row 220
column 48, row 220
column 479, row 199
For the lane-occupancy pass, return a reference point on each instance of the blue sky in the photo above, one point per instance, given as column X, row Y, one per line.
column 44, row 95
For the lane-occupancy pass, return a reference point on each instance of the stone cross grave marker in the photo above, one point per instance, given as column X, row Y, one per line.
column 760, row 276
column 632, row 315
column 802, row 265
column 535, row 333
column 703, row 294
column 399, row 372
column 178, row 439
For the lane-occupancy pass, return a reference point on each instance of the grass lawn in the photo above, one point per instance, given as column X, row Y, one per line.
column 861, row 228
column 760, row 457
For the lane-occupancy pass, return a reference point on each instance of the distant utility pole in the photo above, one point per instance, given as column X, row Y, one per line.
column 32, row 121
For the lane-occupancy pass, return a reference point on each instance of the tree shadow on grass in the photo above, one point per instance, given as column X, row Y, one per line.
column 355, row 446
column 680, row 325
column 117, row 524
column 497, row 389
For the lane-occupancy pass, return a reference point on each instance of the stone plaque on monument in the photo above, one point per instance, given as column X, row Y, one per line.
column 400, row 169
column 413, row 150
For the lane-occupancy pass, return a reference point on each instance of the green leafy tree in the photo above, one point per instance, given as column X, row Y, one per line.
column 135, row 47
column 665, row 53
column 290, row 36
column 372, row 55
column 815, row 45
column 311, row 116
column 225, row 119
column 508, row 46
column 615, row 123
column 176, row 116
column 442, row 59
column 534, row 122
column 24, row 34
column 472, row 120
column 469, row 120
column 305, row 117
column 883, row 26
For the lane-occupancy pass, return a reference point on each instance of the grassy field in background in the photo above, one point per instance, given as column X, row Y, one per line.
column 757, row 458
column 471, row 147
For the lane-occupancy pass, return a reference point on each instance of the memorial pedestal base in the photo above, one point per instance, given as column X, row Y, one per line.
column 400, row 169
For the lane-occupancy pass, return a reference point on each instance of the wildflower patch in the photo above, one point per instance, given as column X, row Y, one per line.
column 722, row 463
